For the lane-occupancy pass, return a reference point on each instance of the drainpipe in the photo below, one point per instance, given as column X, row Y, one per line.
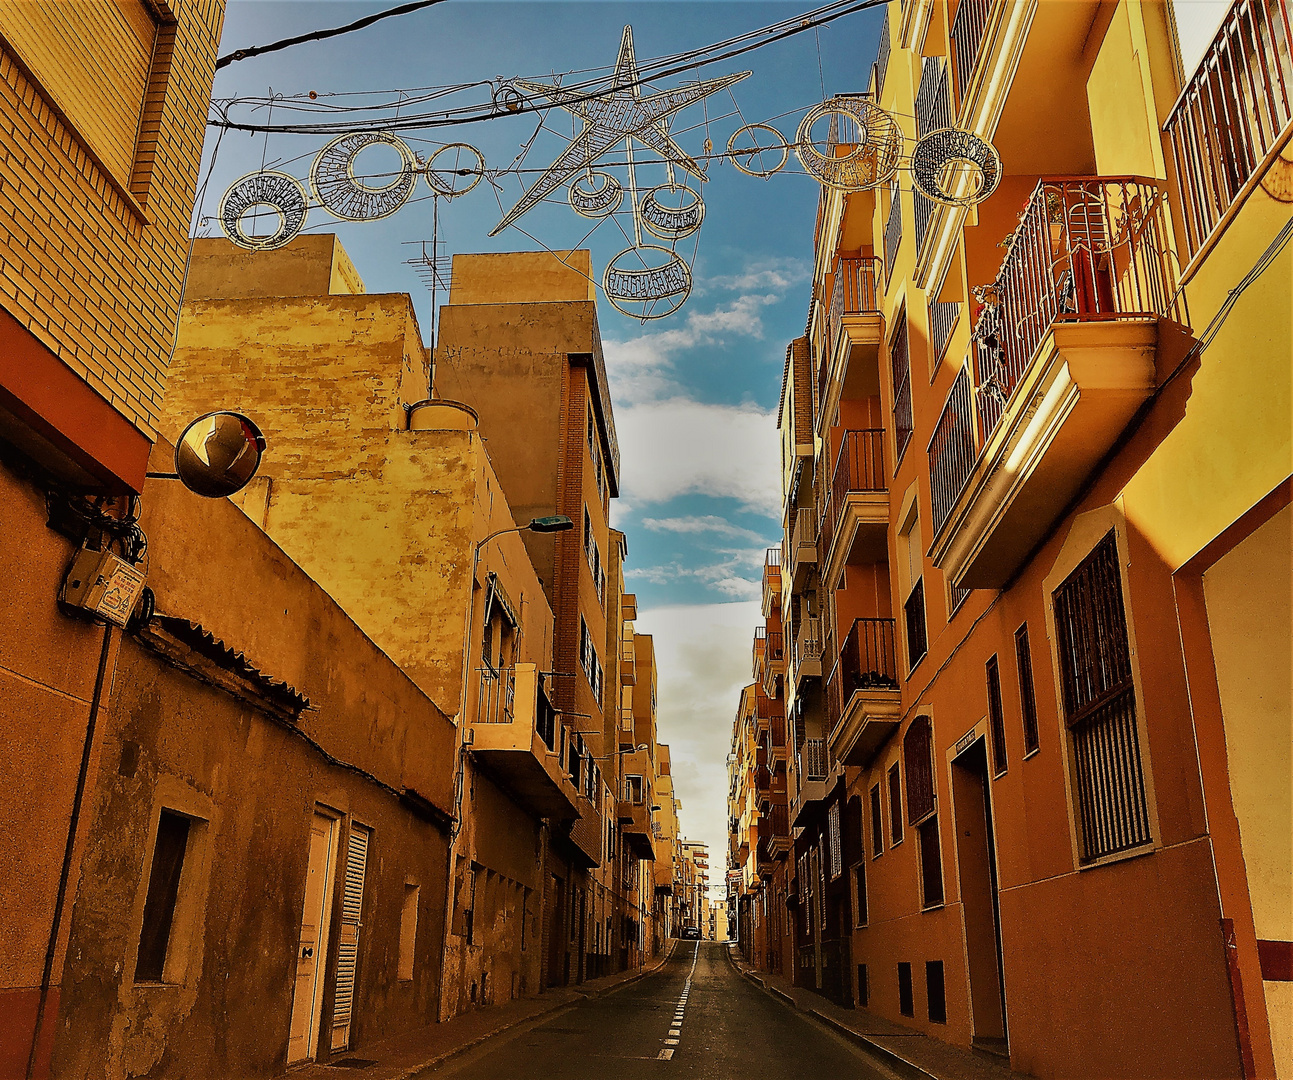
column 101, row 679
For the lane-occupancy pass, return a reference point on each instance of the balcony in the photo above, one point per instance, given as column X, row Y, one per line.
column 856, row 518
column 628, row 662
column 1064, row 356
column 864, row 686
column 803, row 547
column 1228, row 121
column 771, row 581
column 586, row 834
column 628, row 606
column 516, row 737
column 634, row 807
column 808, row 652
column 813, row 772
column 854, row 329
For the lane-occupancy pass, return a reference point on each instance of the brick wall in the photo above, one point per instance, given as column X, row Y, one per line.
column 92, row 269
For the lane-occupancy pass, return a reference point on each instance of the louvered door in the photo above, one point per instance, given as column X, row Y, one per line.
column 348, row 938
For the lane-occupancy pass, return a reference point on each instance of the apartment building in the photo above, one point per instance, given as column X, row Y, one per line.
column 102, row 113
column 519, row 341
column 1036, row 466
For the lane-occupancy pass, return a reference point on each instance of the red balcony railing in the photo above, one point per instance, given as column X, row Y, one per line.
column 968, row 27
column 869, row 658
column 1232, row 112
column 857, row 281
column 859, row 466
column 1087, row 248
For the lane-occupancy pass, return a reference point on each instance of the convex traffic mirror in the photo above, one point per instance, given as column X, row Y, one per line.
column 218, row 454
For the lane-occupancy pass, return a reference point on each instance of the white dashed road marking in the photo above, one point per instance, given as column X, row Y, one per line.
column 675, row 1025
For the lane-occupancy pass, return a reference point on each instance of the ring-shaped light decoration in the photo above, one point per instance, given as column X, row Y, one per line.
column 507, row 98
column 778, row 148
column 595, row 201
column 282, row 194
column 943, row 157
column 351, row 197
column 455, row 169
column 660, row 278
column 672, row 222
column 873, row 134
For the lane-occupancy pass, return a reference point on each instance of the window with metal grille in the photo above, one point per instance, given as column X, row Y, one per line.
column 895, row 804
column 1100, row 706
column 833, row 832
column 900, row 363
column 877, row 824
column 996, row 719
column 917, row 752
column 1027, row 692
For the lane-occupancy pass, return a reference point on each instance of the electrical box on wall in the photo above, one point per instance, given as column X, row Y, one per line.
column 103, row 584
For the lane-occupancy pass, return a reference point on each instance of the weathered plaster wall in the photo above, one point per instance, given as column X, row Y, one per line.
column 173, row 741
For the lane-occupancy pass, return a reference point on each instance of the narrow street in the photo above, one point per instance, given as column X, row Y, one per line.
column 724, row 1026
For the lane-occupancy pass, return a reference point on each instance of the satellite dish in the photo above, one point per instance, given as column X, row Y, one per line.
column 218, row 454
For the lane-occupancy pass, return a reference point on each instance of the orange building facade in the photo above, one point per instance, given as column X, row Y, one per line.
column 1034, row 485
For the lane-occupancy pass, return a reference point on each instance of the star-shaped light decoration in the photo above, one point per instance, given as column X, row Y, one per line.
column 610, row 118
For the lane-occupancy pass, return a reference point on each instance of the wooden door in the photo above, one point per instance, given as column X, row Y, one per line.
column 348, row 936
column 307, row 993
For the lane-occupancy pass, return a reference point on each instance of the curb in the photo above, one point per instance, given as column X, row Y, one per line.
column 471, row 1044
column 882, row 1054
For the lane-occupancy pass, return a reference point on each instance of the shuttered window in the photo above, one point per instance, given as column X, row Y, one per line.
column 1100, row 706
column 92, row 61
column 895, row 804
column 877, row 824
column 917, row 752
column 836, row 850
column 348, row 944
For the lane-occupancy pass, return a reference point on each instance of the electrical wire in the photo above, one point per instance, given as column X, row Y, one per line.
column 320, row 35
column 649, row 70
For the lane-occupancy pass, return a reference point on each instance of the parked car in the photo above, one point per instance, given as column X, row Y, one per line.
column 691, row 933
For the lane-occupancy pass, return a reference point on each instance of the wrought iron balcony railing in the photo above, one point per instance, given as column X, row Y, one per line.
column 858, row 284
column 1230, row 116
column 869, row 658
column 859, row 466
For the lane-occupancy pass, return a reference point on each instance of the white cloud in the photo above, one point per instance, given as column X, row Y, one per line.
column 703, row 661
column 677, row 446
column 704, row 523
column 640, row 369
column 763, row 274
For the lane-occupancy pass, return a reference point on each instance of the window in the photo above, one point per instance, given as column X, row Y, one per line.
column 833, row 828
column 1027, row 693
column 996, row 721
column 917, row 751
column 910, row 569
column 906, row 1004
column 895, row 804
column 859, row 893
column 633, row 790
column 594, row 557
column 877, row 824
column 864, row 986
column 935, row 991
column 65, row 47
column 163, row 891
column 931, row 864
column 1100, row 706
column 592, row 667
column 408, row 931
column 900, row 362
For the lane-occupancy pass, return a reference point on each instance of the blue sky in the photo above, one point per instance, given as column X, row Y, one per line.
column 695, row 393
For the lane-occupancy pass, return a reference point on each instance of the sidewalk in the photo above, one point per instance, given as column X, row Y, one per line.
column 406, row 1055
column 907, row 1052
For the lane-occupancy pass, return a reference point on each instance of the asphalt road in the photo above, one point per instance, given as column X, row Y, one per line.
column 696, row 1017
